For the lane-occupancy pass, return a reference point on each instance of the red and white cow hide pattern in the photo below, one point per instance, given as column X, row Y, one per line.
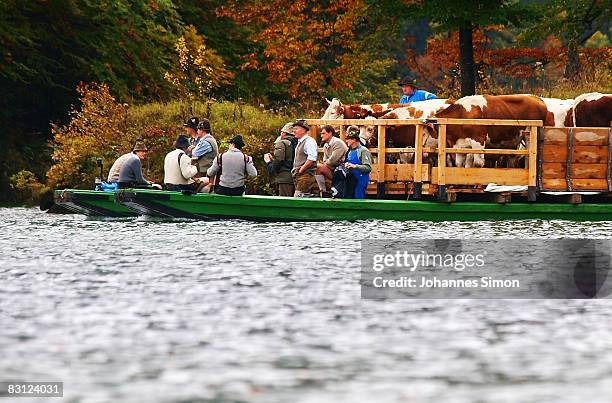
column 419, row 110
column 593, row 110
column 560, row 112
column 513, row 107
column 336, row 110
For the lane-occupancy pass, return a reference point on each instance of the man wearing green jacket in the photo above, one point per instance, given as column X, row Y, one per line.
column 281, row 163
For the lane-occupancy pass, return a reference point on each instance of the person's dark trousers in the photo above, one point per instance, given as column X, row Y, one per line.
column 179, row 188
column 133, row 185
column 222, row 190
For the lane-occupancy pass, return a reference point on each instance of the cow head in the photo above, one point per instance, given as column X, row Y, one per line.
column 368, row 134
column 334, row 110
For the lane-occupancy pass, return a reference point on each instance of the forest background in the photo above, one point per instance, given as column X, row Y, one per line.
column 83, row 79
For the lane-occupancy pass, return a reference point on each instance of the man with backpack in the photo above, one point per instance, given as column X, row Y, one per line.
column 232, row 169
column 281, row 163
column 178, row 171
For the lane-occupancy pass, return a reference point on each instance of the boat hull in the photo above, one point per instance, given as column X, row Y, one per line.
column 91, row 203
column 269, row 208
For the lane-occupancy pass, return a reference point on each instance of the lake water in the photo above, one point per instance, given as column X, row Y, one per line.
column 234, row 311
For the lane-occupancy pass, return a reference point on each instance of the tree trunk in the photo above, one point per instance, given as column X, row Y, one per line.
column 572, row 67
column 466, row 57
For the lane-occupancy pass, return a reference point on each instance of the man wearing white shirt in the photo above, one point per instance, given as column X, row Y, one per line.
column 305, row 161
column 178, row 171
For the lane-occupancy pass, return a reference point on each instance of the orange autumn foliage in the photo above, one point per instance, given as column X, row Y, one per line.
column 99, row 128
column 308, row 46
column 438, row 68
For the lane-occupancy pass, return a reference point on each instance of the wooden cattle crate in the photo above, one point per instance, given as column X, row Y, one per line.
column 482, row 176
column 400, row 172
column 398, row 178
column 575, row 159
column 396, row 188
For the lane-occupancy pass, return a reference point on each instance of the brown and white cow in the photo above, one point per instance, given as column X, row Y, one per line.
column 559, row 115
column 515, row 107
column 559, row 112
column 336, row 110
column 593, row 110
column 404, row 136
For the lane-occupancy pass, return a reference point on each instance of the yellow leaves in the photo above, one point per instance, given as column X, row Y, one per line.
column 198, row 69
column 99, row 123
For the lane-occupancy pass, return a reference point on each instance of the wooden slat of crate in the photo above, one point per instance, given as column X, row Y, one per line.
column 395, row 188
column 555, row 136
column 590, row 184
column 554, row 153
column 583, row 136
column 553, row 170
column 554, row 184
column 590, row 154
column 590, row 136
column 483, row 176
column 400, row 172
column 589, row 171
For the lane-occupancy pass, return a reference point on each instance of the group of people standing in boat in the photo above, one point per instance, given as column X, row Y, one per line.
column 343, row 172
column 196, row 164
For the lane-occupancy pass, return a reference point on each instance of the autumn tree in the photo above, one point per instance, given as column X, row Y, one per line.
column 307, row 47
column 462, row 16
column 198, row 69
column 48, row 47
column 573, row 22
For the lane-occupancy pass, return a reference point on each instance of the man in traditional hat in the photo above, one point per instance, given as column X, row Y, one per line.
column 232, row 169
column 411, row 93
column 358, row 162
column 304, row 161
column 130, row 174
column 205, row 150
column 191, row 130
column 281, row 163
column 334, row 151
column 113, row 174
column 178, row 170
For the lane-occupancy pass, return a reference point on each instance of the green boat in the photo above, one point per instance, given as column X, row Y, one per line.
column 91, row 203
column 270, row 208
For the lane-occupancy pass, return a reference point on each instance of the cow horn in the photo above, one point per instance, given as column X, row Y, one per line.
column 328, row 101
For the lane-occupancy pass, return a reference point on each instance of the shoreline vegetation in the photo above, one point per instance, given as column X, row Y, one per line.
column 102, row 127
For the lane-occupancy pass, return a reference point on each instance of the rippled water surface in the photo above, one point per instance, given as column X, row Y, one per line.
column 233, row 311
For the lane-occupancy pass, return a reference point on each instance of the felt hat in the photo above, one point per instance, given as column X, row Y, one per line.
column 139, row 146
column 204, row 125
column 192, row 123
column 301, row 123
column 352, row 132
column 237, row 141
column 288, row 128
column 406, row 80
column 181, row 141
